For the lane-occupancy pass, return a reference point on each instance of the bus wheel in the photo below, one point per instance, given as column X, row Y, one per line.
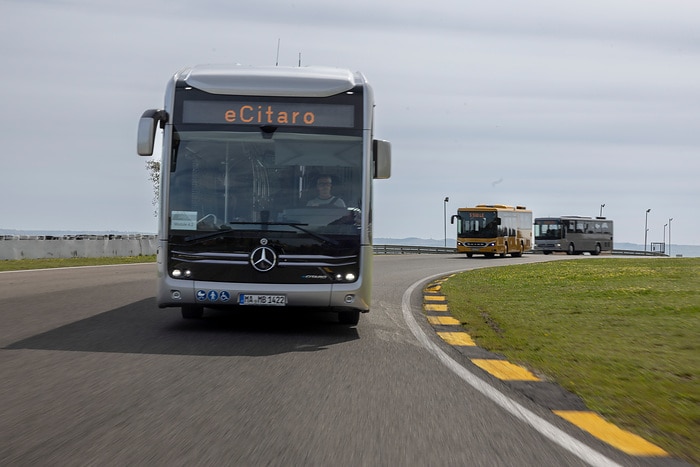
column 349, row 317
column 192, row 311
column 547, row 252
column 596, row 252
column 517, row 254
column 469, row 255
column 571, row 250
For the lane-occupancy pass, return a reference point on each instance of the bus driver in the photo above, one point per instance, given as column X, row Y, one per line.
column 324, row 185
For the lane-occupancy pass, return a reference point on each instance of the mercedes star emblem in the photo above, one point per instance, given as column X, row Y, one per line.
column 263, row 258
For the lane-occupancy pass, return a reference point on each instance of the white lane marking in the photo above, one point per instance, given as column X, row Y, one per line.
column 571, row 444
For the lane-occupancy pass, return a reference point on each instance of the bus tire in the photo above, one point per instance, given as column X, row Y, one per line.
column 349, row 317
column 192, row 312
column 571, row 250
column 469, row 255
column 547, row 252
column 597, row 250
column 518, row 254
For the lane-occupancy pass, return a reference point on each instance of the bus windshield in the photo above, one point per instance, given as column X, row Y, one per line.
column 548, row 230
column 478, row 224
column 252, row 180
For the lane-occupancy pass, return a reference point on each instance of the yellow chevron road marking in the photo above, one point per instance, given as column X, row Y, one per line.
column 434, row 298
column 457, row 338
column 611, row 434
column 442, row 320
column 504, row 370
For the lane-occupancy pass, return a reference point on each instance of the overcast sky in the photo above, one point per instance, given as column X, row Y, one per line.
column 558, row 106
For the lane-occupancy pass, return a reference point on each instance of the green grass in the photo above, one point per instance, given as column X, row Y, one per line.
column 46, row 263
column 623, row 334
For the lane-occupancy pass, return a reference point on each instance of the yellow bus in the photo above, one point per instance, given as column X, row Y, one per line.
column 493, row 229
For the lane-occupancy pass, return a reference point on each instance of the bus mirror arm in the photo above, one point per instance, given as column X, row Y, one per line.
column 452, row 219
column 147, row 130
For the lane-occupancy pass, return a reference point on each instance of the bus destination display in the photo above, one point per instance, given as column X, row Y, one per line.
column 268, row 113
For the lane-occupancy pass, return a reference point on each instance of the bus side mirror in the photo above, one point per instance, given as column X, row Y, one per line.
column 498, row 221
column 147, row 130
column 381, row 156
column 452, row 219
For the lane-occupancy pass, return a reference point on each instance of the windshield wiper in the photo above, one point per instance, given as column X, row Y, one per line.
column 224, row 231
column 297, row 225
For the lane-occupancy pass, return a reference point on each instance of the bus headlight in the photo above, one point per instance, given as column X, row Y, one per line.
column 348, row 277
column 342, row 275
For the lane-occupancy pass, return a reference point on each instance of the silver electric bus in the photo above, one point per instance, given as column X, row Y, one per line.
column 573, row 234
column 266, row 188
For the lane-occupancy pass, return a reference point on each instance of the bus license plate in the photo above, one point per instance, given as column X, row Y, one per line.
column 261, row 299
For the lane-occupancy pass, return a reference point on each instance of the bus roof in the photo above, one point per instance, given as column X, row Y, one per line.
column 572, row 218
column 270, row 81
column 494, row 207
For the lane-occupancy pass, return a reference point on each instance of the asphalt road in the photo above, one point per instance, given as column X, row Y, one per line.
column 93, row 373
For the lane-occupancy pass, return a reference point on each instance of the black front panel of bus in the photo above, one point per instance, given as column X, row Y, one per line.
column 296, row 260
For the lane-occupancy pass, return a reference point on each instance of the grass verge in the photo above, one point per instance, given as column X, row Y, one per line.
column 623, row 334
column 47, row 263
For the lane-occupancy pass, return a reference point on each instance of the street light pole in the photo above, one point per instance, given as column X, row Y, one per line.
column 669, row 236
column 665, row 225
column 444, row 217
column 646, row 218
column 601, row 209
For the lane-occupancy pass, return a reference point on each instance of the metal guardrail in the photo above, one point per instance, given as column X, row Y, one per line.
column 638, row 253
column 411, row 250
column 432, row 250
column 39, row 246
